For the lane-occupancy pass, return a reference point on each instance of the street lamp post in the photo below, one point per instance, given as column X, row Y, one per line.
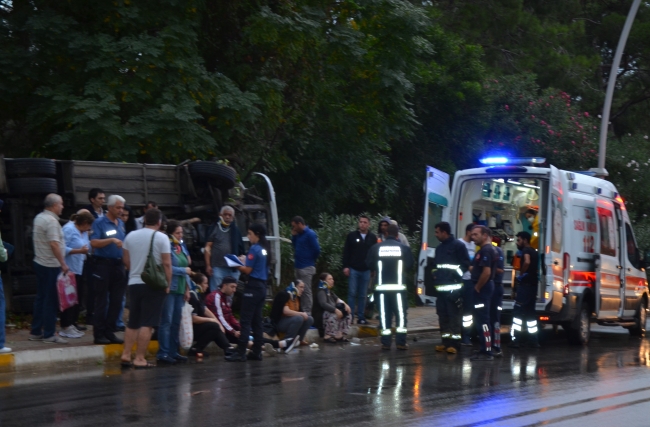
column 613, row 74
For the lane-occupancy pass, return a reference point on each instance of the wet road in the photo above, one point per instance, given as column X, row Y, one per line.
column 606, row 384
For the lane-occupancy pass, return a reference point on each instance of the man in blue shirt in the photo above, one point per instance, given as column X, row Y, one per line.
column 108, row 273
column 305, row 252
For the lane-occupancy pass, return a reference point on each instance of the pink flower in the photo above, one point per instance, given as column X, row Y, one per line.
column 507, row 107
column 542, row 122
column 573, row 142
column 531, row 103
column 532, row 117
column 551, row 97
column 586, row 114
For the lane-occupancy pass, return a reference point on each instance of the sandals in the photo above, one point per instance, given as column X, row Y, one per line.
column 147, row 366
column 126, row 365
column 330, row 340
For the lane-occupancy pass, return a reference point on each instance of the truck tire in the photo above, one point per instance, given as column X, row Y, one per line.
column 580, row 327
column 30, row 167
column 222, row 176
column 24, row 285
column 20, row 186
column 23, row 304
column 638, row 330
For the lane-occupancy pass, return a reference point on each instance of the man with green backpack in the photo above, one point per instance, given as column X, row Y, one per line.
column 147, row 256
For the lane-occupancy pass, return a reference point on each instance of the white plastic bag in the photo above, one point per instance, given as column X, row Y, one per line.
column 186, row 333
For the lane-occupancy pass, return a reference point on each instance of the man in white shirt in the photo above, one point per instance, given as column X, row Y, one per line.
column 468, row 289
column 145, row 303
column 49, row 253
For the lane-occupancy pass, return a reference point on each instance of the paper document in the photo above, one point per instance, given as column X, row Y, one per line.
column 233, row 261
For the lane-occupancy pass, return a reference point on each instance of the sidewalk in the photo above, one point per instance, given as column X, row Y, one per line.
column 32, row 355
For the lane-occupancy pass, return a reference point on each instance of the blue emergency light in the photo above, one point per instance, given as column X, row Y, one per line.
column 513, row 160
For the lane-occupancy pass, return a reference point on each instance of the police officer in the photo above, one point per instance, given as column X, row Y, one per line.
column 450, row 263
column 483, row 270
column 523, row 313
column 390, row 260
column 496, row 303
column 108, row 272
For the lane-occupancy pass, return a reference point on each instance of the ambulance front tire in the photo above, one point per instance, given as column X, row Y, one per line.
column 638, row 330
column 580, row 329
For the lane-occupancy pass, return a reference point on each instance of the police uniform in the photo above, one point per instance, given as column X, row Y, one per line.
column 450, row 264
column 485, row 257
column 109, row 277
column 496, row 303
column 390, row 259
column 524, row 316
column 253, row 301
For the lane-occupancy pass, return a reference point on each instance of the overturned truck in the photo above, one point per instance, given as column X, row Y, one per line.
column 191, row 190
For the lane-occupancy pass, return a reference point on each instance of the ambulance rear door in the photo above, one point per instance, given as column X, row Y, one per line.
column 436, row 206
column 553, row 256
column 609, row 270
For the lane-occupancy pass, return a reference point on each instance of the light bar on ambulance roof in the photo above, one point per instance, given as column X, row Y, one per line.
column 513, row 160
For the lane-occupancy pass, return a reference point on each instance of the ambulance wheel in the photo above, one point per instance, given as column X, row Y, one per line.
column 580, row 327
column 638, row 330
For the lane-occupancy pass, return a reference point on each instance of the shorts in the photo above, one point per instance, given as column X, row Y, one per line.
column 145, row 306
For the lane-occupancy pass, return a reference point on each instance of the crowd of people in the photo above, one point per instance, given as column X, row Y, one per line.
column 115, row 257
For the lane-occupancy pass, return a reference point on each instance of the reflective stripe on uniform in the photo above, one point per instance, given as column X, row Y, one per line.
column 400, row 309
column 390, row 288
column 382, row 308
column 444, row 288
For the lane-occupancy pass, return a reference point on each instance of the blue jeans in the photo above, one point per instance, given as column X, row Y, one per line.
column 47, row 301
column 357, row 290
column 2, row 315
column 170, row 322
column 218, row 273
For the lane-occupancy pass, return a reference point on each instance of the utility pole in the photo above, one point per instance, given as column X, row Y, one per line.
column 613, row 74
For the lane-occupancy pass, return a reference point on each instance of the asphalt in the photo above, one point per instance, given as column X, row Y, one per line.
column 604, row 384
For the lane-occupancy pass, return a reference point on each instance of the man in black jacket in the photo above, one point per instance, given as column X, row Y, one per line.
column 450, row 263
column 391, row 260
column 356, row 248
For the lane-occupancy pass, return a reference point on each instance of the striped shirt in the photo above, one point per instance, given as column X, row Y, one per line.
column 47, row 229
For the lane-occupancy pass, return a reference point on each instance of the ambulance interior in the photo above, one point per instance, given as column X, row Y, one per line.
column 507, row 206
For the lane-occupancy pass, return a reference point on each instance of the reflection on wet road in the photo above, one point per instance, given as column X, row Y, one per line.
column 606, row 384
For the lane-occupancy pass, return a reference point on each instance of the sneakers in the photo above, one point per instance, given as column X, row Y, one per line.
column 362, row 322
column 165, row 360
column 402, row 346
column 270, row 351
column 294, row 342
column 255, row 356
column 441, row 347
column 71, row 332
column 452, row 350
column 236, row 357
column 35, row 337
column 385, row 347
column 5, row 350
column 101, row 340
column 480, row 356
column 55, row 339
column 180, row 359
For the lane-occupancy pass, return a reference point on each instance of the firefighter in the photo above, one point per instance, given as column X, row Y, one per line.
column 390, row 260
column 450, row 263
column 483, row 270
column 523, row 313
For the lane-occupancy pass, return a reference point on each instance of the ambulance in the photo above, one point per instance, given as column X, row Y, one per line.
column 590, row 267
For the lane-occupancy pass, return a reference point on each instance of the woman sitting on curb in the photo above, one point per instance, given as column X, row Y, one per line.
column 337, row 316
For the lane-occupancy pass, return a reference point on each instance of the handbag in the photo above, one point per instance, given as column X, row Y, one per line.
column 66, row 286
column 153, row 275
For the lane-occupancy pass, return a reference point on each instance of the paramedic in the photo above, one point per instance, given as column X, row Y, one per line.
column 523, row 313
column 483, row 270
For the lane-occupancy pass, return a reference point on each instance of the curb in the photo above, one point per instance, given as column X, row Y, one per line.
column 38, row 359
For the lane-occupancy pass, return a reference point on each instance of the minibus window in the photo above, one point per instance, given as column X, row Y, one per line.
column 632, row 250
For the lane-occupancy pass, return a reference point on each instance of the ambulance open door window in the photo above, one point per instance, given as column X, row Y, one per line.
column 632, row 250
column 607, row 232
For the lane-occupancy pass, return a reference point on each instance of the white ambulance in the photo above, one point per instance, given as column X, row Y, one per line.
column 590, row 266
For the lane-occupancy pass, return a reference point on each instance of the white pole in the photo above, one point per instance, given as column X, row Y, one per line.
column 604, row 126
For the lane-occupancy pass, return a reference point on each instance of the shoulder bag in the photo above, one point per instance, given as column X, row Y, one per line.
column 153, row 275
